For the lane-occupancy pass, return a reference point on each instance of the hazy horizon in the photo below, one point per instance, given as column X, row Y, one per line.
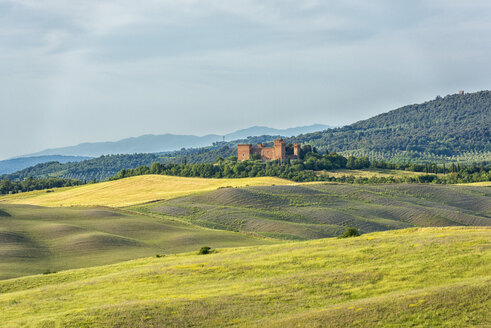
column 75, row 72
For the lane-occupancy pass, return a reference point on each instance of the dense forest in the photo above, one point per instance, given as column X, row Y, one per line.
column 456, row 127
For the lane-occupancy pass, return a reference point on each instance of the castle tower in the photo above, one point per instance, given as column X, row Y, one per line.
column 279, row 149
column 296, row 150
column 243, row 151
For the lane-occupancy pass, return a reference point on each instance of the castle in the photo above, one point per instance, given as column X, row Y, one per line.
column 278, row 151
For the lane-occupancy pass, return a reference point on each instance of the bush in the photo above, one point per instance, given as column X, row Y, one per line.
column 350, row 232
column 204, row 250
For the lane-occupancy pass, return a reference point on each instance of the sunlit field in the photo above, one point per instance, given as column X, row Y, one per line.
column 414, row 277
column 134, row 190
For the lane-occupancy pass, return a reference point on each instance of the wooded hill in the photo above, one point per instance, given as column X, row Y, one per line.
column 456, row 127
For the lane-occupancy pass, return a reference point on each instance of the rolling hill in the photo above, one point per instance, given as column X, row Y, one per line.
column 36, row 239
column 133, row 190
column 157, row 214
column 436, row 277
column 319, row 210
column 456, row 127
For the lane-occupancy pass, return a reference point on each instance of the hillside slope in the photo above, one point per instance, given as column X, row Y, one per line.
column 133, row 190
column 416, row 277
column 453, row 127
column 308, row 211
column 35, row 239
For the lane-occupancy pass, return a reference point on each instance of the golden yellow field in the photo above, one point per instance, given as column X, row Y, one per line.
column 477, row 184
column 134, row 190
column 367, row 173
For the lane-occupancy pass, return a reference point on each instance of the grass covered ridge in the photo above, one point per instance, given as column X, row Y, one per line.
column 428, row 276
column 134, row 190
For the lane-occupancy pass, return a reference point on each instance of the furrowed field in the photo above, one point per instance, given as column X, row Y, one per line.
column 414, row 277
column 308, row 211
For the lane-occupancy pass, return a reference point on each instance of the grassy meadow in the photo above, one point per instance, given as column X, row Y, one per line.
column 133, row 190
column 418, row 277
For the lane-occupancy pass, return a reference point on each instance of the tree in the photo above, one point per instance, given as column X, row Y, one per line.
column 350, row 232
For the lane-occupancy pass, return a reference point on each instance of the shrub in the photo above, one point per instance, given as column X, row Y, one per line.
column 204, row 250
column 350, row 232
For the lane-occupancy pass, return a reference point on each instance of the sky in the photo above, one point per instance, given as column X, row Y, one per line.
column 96, row 70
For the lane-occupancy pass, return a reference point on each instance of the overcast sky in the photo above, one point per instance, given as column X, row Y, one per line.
column 95, row 70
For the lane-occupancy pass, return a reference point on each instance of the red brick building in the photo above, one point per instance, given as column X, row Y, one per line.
column 278, row 151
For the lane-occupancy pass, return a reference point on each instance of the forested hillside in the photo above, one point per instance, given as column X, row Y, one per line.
column 456, row 127
column 98, row 168
column 17, row 164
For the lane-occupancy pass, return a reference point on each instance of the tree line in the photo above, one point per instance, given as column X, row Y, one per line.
column 308, row 166
column 29, row 184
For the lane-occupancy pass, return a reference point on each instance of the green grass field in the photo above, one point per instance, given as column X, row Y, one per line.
column 35, row 239
column 430, row 277
column 309, row 211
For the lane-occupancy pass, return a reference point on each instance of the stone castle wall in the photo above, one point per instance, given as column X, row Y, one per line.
column 277, row 152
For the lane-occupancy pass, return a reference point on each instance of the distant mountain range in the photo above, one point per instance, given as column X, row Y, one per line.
column 169, row 142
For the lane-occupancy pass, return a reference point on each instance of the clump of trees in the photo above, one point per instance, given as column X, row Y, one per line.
column 204, row 250
column 350, row 232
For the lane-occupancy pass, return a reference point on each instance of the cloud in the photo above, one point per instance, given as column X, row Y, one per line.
column 102, row 70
